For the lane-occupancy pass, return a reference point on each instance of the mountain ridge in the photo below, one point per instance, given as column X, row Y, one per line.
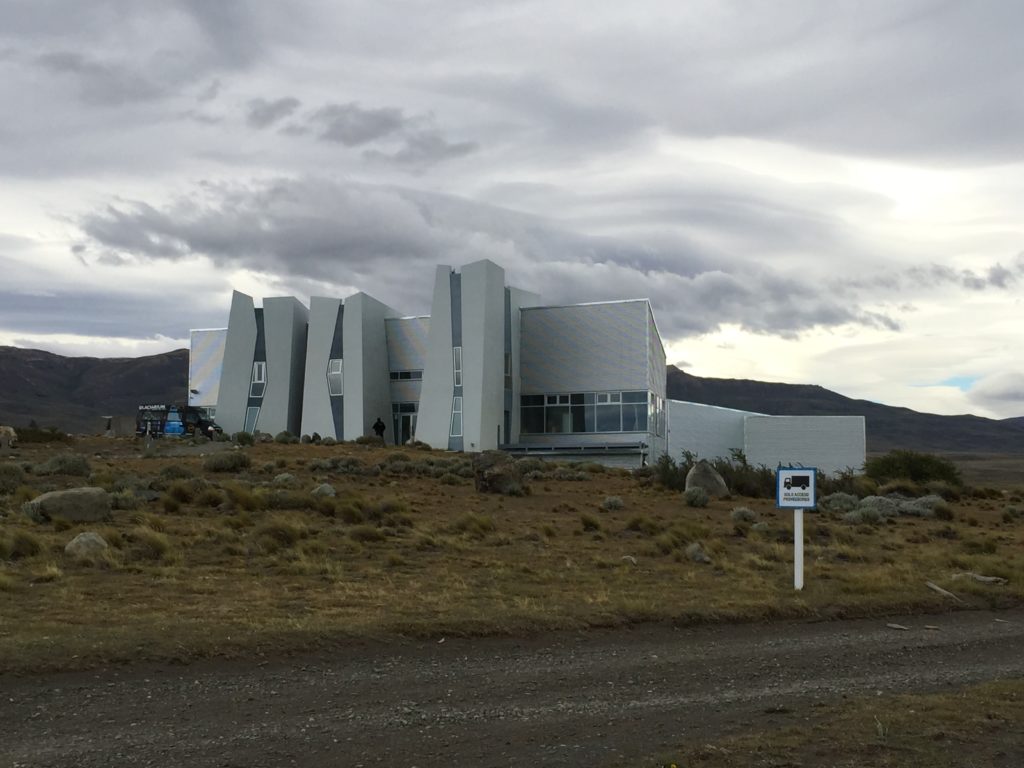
column 75, row 394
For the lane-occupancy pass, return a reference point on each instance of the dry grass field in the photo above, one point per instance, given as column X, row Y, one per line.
column 248, row 561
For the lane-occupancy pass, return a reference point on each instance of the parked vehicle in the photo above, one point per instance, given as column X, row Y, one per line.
column 174, row 421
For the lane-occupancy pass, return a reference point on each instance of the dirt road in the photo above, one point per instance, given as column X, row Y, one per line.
column 558, row 700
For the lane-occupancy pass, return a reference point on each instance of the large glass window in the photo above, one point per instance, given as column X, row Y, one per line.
column 335, row 379
column 457, row 368
column 258, row 383
column 456, row 429
column 581, row 412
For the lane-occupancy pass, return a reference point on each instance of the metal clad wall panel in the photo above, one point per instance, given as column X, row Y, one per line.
column 236, row 374
column 588, row 347
column 830, row 443
column 317, row 406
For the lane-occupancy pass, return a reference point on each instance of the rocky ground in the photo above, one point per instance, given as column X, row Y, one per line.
column 603, row 697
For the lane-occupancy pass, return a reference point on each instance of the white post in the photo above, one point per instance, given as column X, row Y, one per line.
column 798, row 549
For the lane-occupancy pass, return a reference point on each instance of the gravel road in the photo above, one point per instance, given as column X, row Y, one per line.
column 567, row 699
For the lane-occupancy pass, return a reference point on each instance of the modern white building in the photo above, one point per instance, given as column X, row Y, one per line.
column 490, row 367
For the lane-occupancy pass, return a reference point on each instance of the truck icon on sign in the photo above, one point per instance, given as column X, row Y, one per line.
column 798, row 481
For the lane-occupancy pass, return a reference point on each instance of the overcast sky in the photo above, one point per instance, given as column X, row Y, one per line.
column 827, row 193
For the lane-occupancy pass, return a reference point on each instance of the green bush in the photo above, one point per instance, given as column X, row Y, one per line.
column 696, row 497
column 233, row 461
column 64, row 464
column 244, row 438
column 285, row 437
column 11, row 476
column 612, row 503
column 914, row 466
column 743, row 515
column 589, row 522
column 19, row 545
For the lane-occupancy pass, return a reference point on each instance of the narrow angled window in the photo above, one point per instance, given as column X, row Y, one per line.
column 457, row 367
column 335, row 378
column 252, row 416
column 258, row 384
column 456, row 427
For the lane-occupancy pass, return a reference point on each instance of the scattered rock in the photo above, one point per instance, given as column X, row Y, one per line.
column 497, row 472
column 8, row 438
column 324, row 489
column 978, row 577
column 944, row 592
column 702, row 475
column 898, row 626
column 86, row 545
column 629, row 559
column 77, row 505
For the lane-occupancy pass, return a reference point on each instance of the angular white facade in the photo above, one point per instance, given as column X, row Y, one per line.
column 491, row 367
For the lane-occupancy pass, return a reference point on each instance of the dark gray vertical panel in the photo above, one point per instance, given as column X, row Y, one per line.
column 259, row 355
column 456, row 443
column 338, row 351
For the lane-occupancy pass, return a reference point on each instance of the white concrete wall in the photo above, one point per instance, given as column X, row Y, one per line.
column 435, row 411
column 285, row 320
column 830, row 443
column 367, row 383
column 585, row 347
column 518, row 300
column 233, row 394
column 483, row 354
column 706, row 430
column 316, row 399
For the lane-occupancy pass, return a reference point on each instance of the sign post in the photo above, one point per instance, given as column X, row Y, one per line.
column 795, row 489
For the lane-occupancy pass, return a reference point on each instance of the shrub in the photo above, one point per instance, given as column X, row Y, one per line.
column 281, row 532
column 285, row 437
column 64, row 464
column 366, row 533
column 1012, row 513
column 148, row 544
column 328, row 441
column 612, row 503
column 177, row 472
column 125, row 500
column 839, row 502
column 645, row 525
column 244, row 438
column 696, row 553
column 170, row 504
column 593, row 467
column 696, row 497
column 19, row 545
column 449, row 479
column 530, row 464
column 670, row 475
column 918, row 467
column 743, row 515
column 208, row 497
column 11, row 476
column 866, row 515
column 33, row 434
column 589, row 522
column 474, row 524
column 305, row 439
column 233, row 461
column 242, row 497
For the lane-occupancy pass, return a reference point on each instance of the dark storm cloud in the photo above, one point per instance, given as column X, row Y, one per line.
column 425, row 148
column 104, row 313
column 103, row 82
column 262, row 113
column 365, row 236
column 351, row 125
column 999, row 390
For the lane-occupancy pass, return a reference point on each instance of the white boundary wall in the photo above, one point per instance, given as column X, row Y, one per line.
column 830, row 443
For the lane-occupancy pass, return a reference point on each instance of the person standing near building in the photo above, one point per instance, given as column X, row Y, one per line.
column 378, row 429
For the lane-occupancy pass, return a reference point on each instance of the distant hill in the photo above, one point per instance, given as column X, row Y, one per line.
column 888, row 427
column 75, row 393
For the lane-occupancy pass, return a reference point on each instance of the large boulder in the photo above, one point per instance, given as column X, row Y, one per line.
column 702, row 475
column 497, row 472
column 86, row 546
column 8, row 438
column 77, row 505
